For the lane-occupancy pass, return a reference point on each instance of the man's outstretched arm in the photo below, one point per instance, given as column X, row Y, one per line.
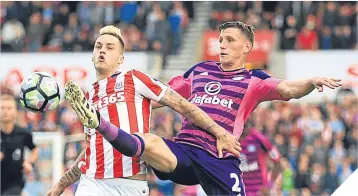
column 193, row 113
column 70, row 177
column 300, row 88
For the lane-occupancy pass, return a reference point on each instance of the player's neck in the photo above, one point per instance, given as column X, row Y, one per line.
column 101, row 76
column 104, row 74
column 7, row 127
column 237, row 64
column 234, row 66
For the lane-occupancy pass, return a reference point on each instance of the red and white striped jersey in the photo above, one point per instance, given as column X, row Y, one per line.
column 124, row 100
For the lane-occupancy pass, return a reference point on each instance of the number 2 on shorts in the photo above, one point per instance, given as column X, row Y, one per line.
column 236, row 186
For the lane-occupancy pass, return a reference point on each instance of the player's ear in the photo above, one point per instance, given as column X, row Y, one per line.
column 121, row 59
column 247, row 47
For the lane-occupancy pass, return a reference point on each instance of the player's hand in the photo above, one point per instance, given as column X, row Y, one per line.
column 56, row 190
column 1, row 156
column 228, row 142
column 319, row 82
column 27, row 167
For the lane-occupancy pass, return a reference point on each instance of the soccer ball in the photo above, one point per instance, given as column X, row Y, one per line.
column 39, row 92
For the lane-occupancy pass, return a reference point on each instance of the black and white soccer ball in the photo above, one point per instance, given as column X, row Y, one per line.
column 40, row 92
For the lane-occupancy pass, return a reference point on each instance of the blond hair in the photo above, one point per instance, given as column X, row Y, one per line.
column 114, row 31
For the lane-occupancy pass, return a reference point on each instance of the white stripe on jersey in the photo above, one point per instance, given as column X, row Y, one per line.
column 92, row 156
column 139, row 109
column 107, row 147
column 93, row 159
column 124, row 121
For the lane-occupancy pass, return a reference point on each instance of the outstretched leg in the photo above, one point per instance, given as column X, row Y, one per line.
column 150, row 147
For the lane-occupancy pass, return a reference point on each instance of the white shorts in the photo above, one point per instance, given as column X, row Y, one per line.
column 115, row 186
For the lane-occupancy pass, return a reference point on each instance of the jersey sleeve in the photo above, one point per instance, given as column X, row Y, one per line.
column 147, row 86
column 266, row 86
column 181, row 85
column 29, row 143
column 268, row 147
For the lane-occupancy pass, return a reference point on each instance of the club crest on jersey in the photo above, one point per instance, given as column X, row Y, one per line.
column 118, row 86
column 251, row 148
column 212, row 88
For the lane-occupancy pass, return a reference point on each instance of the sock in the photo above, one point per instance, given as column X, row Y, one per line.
column 127, row 144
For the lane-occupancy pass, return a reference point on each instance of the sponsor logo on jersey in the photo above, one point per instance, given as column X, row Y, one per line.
column 212, row 88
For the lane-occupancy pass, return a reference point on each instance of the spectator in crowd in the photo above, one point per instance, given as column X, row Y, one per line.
column 344, row 170
column 325, row 39
column 302, row 176
column 287, row 177
column 330, row 179
column 12, row 34
column 34, row 33
column 68, row 42
column 84, row 12
column 307, row 39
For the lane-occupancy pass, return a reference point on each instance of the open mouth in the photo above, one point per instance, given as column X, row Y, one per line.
column 101, row 58
column 223, row 54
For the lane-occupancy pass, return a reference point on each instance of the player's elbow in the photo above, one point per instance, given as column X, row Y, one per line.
column 35, row 153
column 156, row 105
column 287, row 91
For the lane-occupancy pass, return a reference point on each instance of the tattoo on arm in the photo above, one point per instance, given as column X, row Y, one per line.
column 73, row 174
column 193, row 113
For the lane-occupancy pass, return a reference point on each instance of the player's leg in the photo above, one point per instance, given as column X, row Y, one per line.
column 155, row 152
column 183, row 173
column 217, row 176
column 168, row 161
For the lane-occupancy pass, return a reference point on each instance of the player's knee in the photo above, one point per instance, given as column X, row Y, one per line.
column 150, row 141
column 157, row 155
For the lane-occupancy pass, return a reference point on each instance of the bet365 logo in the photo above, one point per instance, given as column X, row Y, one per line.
column 113, row 98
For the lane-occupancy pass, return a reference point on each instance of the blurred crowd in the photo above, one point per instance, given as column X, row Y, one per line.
column 73, row 26
column 302, row 25
column 318, row 143
column 159, row 26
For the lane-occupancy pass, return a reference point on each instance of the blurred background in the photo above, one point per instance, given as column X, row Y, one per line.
column 317, row 136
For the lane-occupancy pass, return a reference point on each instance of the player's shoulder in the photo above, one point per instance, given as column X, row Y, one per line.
column 21, row 131
column 142, row 76
column 259, row 73
column 202, row 64
column 259, row 136
column 135, row 72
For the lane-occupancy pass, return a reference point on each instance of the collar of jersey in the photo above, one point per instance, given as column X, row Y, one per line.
column 115, row 74
column 235, row 70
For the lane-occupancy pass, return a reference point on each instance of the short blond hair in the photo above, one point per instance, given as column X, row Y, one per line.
column 114, row 31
